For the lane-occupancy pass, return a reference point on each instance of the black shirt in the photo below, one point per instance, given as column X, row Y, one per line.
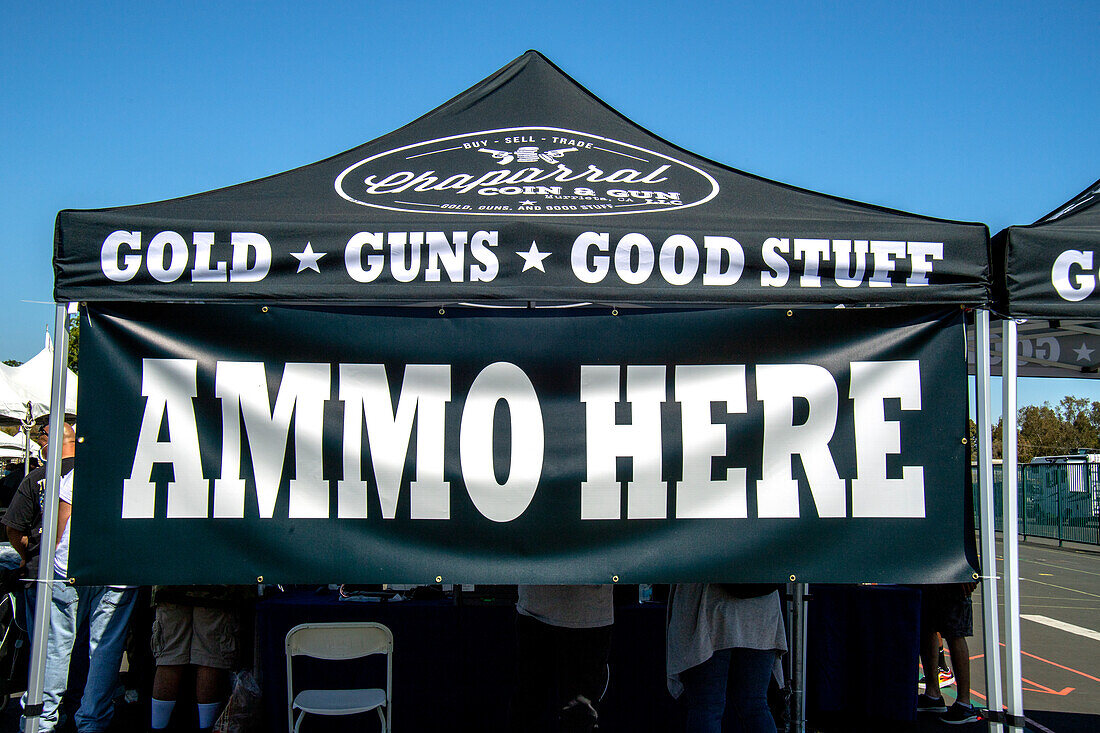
column 25, row 512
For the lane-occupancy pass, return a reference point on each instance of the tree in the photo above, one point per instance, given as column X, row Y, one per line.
column 74, row 340
column 12, row 362
column 1046, row 430
column 996, row 435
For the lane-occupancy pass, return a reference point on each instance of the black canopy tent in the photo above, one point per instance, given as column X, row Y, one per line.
column 530, row 155
column 524, row 188
column 1046, row 281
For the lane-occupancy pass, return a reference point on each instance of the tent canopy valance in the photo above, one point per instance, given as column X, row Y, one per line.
column 524, row 187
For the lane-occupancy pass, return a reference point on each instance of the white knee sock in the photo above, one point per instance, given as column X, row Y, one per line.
column 160, row 713
column 208, row 714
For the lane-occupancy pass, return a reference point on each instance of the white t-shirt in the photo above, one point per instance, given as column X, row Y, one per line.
column 61, row 554
column 568, row 606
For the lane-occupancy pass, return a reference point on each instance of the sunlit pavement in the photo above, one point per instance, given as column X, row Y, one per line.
column 1060, row 635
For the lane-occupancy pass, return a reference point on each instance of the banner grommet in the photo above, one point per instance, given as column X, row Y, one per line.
column 614, row 578
column 439, row 578
column 259, row 579
column 793, row 577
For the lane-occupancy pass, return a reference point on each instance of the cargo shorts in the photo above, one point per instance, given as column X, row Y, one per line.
column 948, row 610
column 207, row 637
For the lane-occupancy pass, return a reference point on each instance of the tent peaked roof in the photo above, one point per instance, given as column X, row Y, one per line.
column 1049, row 268
column 31, row 382
column 1082, row 210
column 524, row 187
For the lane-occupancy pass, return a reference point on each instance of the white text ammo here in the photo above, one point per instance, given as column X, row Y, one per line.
column 170, row 386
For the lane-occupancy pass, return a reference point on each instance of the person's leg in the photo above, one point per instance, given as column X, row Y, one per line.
column 63, row 610
column 747, row 691
column 535, row 675
column 166, row 688
column 214, row 643
column 171, row 646
column 588, row 669
column 108, row 621
column 704, row 697
column 211, row 684
column 960, row 663
column 929, row 659
column 582, row 675
column 166, row 681
column 211, row 688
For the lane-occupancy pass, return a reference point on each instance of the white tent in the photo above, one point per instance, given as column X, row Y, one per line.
column 31, row 382
column 12, row 446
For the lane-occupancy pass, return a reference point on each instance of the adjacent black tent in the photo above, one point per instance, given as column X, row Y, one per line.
column 1048, row 269
column 1046, row 278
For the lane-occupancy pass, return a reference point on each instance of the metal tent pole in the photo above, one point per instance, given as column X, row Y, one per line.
column 798, row 673
column 28, row 423
column 1010, row 532
column 991, row 632
column 36, row 676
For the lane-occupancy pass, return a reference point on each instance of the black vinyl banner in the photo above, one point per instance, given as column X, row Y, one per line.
column 223, row 444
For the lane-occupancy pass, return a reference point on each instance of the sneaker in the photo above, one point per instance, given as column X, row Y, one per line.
column 927, row 704
column 947, row 678
column 960, row 713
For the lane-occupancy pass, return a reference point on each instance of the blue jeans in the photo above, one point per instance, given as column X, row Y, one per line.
column 729, row 692
column 107, row 613
column 9, row 557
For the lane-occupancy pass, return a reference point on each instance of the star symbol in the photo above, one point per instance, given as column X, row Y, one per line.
column 532, row 258
column 1084, row 353
column 307, row 259
column 526, row 203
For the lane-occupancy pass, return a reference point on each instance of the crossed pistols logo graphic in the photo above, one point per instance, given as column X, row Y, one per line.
column 526, row 154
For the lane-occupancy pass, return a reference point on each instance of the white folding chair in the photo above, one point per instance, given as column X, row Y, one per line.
column 338, row 641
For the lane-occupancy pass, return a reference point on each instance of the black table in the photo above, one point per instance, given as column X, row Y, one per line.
column 862, row 654
column 454, row 664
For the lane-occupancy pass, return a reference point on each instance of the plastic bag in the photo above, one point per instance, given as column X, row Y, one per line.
column 242, row 713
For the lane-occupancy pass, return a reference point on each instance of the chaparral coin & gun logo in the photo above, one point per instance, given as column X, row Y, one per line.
column 525, row 171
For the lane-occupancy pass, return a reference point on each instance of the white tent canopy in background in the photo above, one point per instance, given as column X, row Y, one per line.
column 11, row 446
column 31, row 382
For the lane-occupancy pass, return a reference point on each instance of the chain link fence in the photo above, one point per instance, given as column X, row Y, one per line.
column 1059, row 501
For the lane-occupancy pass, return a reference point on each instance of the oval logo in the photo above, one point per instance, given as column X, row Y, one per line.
column 525, row 171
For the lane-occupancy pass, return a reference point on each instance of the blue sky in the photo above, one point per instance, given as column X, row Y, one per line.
column 978, row 111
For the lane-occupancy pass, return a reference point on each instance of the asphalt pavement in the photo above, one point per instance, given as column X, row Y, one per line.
column 1060, row 638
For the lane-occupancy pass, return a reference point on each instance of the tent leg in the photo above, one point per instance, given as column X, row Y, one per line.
column 991, row 631
column 28, row 423
column 1010, row 499
column 36, row 676
column 798, row 671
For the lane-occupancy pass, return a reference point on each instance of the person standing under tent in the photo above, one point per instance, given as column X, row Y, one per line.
column 947, row 611
column 723, row 645
column 104, row 609
column 195, row 626
column 563, row 638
